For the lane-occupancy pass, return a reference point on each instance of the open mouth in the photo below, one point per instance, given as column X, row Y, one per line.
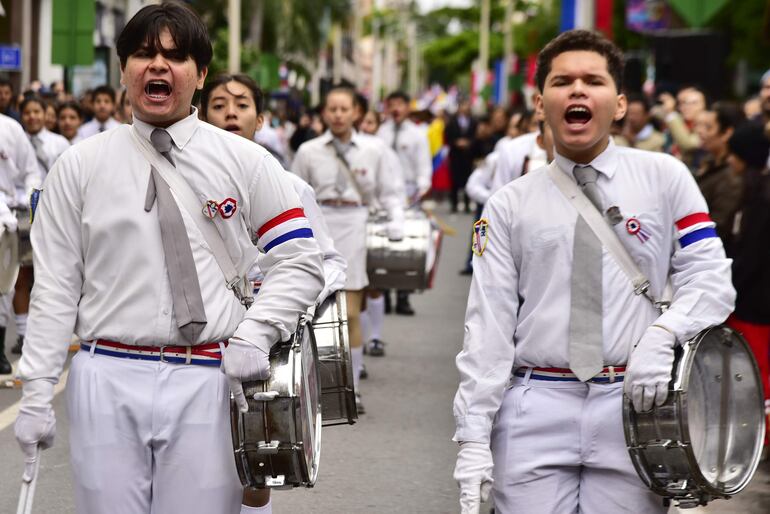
column 158, row 89
column 232, row 128
column 577, row 114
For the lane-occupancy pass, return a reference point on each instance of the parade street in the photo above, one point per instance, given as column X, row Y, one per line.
column 398, row 458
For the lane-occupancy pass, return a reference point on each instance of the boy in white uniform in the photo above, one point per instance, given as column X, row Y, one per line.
column 539, row 408
column 120, row 262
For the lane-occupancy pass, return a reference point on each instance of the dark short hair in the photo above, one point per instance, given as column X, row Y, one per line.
column 104, row 90
column 70, row 104
column 6, row 83
column 362, row 102
column 187, row 30
column 339, row 89
column 576, row 40
column 398, row 95
column 32, row 99
column 638, row 98
column 729, row 115
column 224, row 78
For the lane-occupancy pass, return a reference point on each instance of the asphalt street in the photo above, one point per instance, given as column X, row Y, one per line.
column 399, row 457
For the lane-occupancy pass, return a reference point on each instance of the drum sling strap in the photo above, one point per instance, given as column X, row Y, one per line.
column 606, row 235
column 189, row 200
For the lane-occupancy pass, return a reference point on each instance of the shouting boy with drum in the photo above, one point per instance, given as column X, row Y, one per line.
column 554, row 332
column 141, row 274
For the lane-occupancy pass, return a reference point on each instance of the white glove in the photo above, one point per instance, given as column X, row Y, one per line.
column 36, row 424
column 473, row 472
column 649, row 368
column 395, row 230
column 244, row 362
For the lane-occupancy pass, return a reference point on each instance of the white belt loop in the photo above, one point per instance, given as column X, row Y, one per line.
column 92, row 350
column 188, row 358
column 612, row 374
column 527, row 375
column 221, row 353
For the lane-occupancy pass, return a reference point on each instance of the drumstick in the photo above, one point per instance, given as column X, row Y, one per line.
column 444, row 226
column 27, row 493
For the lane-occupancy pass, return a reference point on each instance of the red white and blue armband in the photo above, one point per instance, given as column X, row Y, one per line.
column 695, row 227
column 288, row 225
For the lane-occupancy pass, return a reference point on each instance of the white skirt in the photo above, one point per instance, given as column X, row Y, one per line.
column 347, row 227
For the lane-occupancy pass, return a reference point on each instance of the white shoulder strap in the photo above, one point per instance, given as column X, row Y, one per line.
column 602, row 230
column 189, row 200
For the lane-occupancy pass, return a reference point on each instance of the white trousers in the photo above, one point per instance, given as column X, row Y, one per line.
column 150, row 438
column 559, row 448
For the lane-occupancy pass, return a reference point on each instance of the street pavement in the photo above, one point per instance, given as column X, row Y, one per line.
column 399, row 457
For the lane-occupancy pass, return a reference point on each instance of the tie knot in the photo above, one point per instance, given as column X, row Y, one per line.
column 585, row 175
column 161, row 140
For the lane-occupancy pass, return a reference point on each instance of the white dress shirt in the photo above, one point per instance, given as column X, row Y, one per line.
column 519, row 302
column 99, row 260
column 512, row 155
column 479, row 184
column 19, row 172
column 95, row 126
column 413, row 150
column 53, row 145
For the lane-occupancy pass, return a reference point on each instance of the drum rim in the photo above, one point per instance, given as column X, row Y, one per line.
column 678, row 392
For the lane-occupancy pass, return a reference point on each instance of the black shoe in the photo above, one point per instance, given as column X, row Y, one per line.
column 363, row 374
column 403, row 307
column 359, row 404
column 388, row 304
column 17, row 347
column 466, row 271
column 376, row 348
column 5, row 366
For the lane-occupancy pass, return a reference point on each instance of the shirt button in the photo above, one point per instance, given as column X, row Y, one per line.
column 165, row 312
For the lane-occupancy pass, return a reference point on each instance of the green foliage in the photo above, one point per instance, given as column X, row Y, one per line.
column 744, row 25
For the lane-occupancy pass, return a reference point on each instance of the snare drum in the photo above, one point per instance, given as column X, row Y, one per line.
column 705, row 441
column 408, row 264
column 330, row 332
column 277, row 443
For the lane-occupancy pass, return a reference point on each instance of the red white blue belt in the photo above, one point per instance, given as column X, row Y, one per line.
column 207, row 354
column 608, row 375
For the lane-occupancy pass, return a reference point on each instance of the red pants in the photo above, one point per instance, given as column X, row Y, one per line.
column 758, row 337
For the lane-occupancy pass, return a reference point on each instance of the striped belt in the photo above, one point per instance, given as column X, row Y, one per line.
column 208, row 354
column 608, row 375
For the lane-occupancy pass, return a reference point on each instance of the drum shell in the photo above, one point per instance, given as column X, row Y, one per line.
column 330, row 333
column 403, row 264
column 283, row 421
column 661, row 442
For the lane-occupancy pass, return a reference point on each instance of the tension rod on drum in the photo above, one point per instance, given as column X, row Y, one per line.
column 723, row 414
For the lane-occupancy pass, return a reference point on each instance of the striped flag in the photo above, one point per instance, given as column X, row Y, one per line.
column 587, row 14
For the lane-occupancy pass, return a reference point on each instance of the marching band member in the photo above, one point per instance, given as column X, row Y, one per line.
column 551, row 440
column 120, row 262
column 19, row 176
column 104, row 110
column 48, row 147
column 234, row 103
column 349, row 173
column 411, row 145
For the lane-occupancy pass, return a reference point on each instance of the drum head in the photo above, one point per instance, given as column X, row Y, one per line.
column 724, row 410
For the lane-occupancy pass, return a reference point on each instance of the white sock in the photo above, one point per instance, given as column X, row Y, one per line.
column 357, row 355
column 366, row 326
column 21, row 324
column 376, row 309
column 265, row 509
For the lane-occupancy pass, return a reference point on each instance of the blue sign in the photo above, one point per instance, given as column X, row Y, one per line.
column 10, row 58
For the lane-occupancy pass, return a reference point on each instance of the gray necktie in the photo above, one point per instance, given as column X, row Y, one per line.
column 585, row 325
column 341, row 182
column 37, row 144
column 396, row 130
column 183, row 277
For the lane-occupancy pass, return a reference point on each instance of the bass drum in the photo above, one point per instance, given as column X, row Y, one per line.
column 277, row 443
column 705, row 441
column 408, row 264
column 330, row 333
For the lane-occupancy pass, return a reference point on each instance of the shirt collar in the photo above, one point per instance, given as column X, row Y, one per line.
column 327, row 137
column 605, row 163
column 180, row 132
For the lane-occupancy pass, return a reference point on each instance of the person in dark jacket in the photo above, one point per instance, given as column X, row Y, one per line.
column 748, row 246
column 459, row 134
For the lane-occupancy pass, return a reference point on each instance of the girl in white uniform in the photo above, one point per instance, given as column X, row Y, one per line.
column 234, row 103
column 349, row 173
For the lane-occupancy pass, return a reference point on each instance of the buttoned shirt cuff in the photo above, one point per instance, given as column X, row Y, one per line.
column 678, row 324
column 38, row 391
column 472, row 428
column 257, row 333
